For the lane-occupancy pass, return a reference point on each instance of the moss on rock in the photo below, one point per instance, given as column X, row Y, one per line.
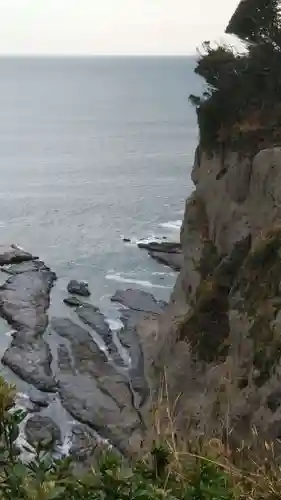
column 209, row 259
column 258, row 290
column 207, row 326
column 259, row 279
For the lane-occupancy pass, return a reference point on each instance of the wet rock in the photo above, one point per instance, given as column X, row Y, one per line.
column 129, row 339
column 72, row 302
column 172, row 260
column 22, row 267
column 92, row 390
column 165, row 252
column 131, row 318
column 10, row 254
column 24, row 300
column 30, row 358
column 92, row 316
column 38, row 398
column 138, row 300
column 43, row 430
column 78, row 288
column 162, row 247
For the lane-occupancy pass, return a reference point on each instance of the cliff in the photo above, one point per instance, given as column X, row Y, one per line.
column 218, row 343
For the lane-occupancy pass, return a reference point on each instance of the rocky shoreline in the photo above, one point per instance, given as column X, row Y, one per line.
column 105, row 389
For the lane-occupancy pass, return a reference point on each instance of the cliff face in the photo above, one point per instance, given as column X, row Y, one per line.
column 219, row 341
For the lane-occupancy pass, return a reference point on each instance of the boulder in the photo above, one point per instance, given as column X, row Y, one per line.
column 38, row 398
column 78, row 288
column 72, row 302
column 42, row 430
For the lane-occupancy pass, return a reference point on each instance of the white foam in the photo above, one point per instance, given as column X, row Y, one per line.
column 123, row 279
column 10, row 333
column 20, row 398
column 149, row 239
column 157, row 273
column 123, row 352
column 18, row 247
column 64, row 449
column 114, row 324
column 174, row 225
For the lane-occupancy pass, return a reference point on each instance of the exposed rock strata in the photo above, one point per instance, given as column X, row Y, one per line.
column 24, row 300
column 219, row 338
column 93, row 390
column 92, row 317
column 167, row 253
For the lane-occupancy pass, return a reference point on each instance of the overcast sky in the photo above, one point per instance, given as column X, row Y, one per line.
column 110, row 26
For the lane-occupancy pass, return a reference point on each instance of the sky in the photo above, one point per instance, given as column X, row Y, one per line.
column 117, row 27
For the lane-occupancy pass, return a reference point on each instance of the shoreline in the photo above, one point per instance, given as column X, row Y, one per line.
column 123, row 335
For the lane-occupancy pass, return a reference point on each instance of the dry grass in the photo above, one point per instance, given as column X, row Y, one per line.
column 253, row 471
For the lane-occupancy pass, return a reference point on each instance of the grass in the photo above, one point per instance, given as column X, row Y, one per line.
column 250, row 471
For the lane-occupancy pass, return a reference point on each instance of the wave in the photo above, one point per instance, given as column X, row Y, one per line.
column 144, row 283
column 173, row 224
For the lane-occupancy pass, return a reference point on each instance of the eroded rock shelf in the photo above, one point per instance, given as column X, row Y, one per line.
column 99, row 387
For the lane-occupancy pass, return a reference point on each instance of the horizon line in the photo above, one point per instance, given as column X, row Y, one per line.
column 82, row 55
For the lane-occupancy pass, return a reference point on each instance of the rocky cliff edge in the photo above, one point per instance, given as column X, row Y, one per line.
column 218, row 344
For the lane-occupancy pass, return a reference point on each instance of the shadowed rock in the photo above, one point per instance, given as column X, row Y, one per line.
column 129, row 339
column 162, row 247
column 165, row 252
column 173, row 260
column 24, row 299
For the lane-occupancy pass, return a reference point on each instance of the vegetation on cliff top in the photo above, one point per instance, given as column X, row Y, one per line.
column 241, row 106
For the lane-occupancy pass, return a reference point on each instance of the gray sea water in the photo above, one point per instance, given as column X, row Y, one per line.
column 92, row 150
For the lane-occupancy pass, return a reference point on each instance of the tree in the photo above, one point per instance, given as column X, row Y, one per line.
column 257, row 21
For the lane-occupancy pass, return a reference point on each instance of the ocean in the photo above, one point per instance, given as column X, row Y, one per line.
column 93, row 150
